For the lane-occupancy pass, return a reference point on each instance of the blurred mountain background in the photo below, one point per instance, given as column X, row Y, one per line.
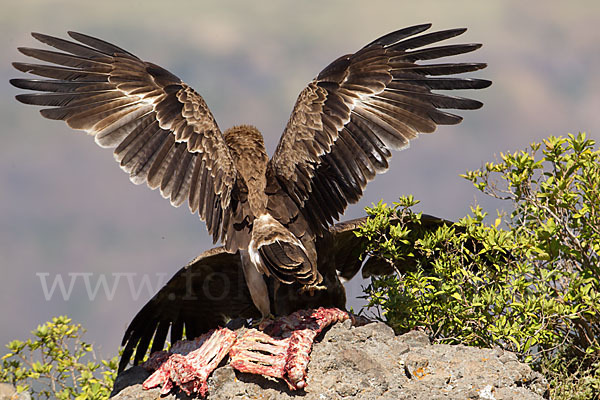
column 67, row 208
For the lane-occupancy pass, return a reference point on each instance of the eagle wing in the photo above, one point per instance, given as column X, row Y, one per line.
column 162, row 130
column 346, row 121
column 205, row 294
column 349, row 249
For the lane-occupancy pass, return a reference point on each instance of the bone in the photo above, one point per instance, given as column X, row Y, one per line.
column 190, row 362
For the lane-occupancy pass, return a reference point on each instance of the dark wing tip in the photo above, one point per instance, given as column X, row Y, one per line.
column 422, row 27
column 38, row 36
column 23, row 98
column 400, row 34
column 483, row 83
column 25, row 50
column 473, row 46
column 459, row 119
column 46, row 39
column 80, row 36
column 98, row 44
column 450, row 33
column 23, row 67
column 18, row 83
column 474, row 105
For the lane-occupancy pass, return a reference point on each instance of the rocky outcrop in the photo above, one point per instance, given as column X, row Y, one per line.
column 370, row 362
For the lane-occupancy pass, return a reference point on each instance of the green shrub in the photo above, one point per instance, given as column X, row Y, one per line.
column 58, row 364
column 528, row 283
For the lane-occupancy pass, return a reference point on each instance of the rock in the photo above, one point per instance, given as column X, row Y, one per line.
column 9, row 392
column 370, row 362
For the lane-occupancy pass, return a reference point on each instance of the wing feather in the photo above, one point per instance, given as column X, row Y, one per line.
column 361, row 106
column 162, row 131
column 203, row 295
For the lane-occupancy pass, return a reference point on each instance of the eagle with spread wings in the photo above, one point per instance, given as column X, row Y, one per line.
column 269, row 212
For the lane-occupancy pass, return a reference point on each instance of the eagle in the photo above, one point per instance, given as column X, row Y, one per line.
column 269, row 214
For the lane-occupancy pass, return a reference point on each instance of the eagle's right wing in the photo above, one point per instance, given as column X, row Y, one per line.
column 201, row 296
column 361, row 106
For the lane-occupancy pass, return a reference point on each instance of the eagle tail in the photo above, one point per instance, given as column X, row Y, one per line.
column 274, row 250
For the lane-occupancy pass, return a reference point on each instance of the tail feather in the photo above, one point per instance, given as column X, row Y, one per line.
column 276, row 251
column 285, row 254
column 288, row 260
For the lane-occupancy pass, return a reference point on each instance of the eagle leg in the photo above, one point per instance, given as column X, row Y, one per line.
column 189, row 362
column 282, row 350
column 263, row 322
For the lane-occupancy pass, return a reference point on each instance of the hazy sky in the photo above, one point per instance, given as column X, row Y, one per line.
column 67, row 210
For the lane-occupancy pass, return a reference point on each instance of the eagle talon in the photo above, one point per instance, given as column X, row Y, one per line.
column 312, row 289
column 263, row 323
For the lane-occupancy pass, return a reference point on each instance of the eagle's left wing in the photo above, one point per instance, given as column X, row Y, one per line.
column 349, row 249
column 162, row 131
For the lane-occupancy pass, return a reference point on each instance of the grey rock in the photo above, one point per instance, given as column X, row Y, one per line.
column 414, row 339
column 370, row 362
column 9, row 392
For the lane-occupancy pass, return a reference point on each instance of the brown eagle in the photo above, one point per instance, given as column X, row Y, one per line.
column 272, row 212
